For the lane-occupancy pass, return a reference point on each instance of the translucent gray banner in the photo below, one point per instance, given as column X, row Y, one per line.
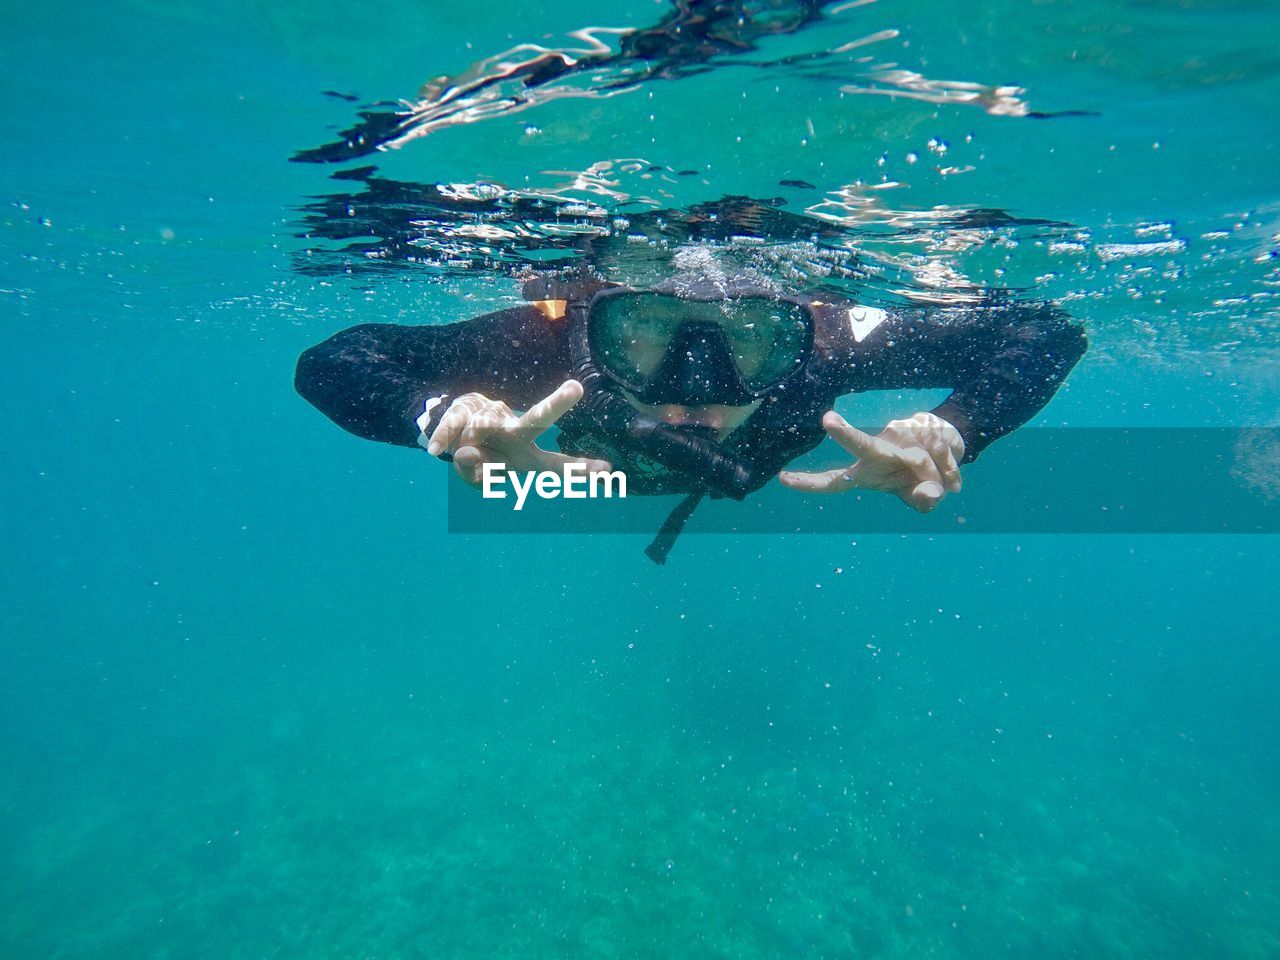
column 1037, row 480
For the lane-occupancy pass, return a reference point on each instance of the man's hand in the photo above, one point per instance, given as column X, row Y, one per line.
column 477, row 430
column 918, row 459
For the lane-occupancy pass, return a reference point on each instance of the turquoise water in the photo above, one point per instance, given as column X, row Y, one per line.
column 256, row 702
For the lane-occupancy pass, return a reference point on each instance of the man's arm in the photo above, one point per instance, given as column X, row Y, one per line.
column 376, row 379
column 1002, row 361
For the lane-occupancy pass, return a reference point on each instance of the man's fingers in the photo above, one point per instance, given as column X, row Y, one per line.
column 828, row 481
column 548, row 410
column 474, row 421
column 446, row 433
column 468, row 463
column 933, row 440
column 944, row 460
column 949, row 469
column 851, row 438
column 925, row 496
column 481, row 427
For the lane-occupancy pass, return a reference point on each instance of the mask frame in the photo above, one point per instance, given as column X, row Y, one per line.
column 710, row 350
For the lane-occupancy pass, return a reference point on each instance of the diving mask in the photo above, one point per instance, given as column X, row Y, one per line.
column 665, row 349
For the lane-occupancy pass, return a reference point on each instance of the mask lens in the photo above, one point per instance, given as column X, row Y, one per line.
column 631, row 332
column 768, row 339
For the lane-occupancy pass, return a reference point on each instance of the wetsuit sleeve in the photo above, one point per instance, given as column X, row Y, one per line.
column 376, row 379
column 1002, row 361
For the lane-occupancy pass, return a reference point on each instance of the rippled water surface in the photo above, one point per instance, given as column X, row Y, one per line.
column 254, row 701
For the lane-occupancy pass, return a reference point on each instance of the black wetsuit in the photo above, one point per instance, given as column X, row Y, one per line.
column 1002, row 362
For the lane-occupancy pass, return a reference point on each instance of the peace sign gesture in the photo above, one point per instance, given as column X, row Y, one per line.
column 917, row 458
column 478, row 430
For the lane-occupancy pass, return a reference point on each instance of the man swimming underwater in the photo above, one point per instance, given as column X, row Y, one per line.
column 701, row 384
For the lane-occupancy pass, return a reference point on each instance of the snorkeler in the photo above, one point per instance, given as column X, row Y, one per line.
column 709, row 385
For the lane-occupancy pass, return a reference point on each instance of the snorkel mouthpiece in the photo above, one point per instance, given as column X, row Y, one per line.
column 695, row 452
column 690, row 450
